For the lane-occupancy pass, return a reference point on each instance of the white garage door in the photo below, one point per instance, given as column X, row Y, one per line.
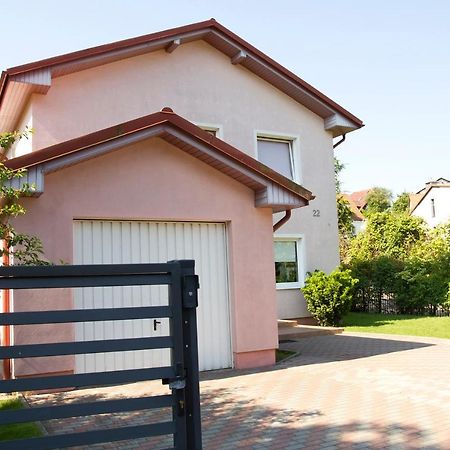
column 125, row 242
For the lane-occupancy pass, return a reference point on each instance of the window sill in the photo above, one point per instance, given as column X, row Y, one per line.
column 285, row 286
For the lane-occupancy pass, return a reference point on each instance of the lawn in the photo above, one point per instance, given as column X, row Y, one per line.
column 16, row 430
column 398, row 324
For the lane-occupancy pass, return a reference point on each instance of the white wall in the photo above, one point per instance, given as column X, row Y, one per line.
column 441, row 197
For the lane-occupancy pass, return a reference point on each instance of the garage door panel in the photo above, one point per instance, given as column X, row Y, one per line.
column 122, row 242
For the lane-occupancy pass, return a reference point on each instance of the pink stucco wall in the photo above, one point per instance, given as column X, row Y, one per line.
column 202, row 85
column 152, row 180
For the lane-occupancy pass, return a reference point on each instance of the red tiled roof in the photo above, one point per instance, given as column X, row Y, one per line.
column 359, row 198
column 165, row 117
column 356, row 213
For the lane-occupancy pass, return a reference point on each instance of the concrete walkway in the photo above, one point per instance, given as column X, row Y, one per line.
column 348, row 391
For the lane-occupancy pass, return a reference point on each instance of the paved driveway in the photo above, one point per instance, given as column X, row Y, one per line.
column 349, row 391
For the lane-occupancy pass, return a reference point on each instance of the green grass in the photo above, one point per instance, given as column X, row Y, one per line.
column 398, row 324
column 283, row 354
column 16, row 430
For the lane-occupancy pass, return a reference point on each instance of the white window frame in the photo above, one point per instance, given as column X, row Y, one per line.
column 294, row 147
column 299, row 239
column 218, row 129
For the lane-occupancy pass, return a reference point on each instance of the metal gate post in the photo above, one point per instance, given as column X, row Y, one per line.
column 177, row 384
column 190, row 287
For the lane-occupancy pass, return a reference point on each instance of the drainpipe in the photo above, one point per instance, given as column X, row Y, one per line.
column 339, row 142
column 283, row 220
column 6, row 339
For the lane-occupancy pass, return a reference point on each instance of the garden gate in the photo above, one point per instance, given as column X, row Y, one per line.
column 181, row 375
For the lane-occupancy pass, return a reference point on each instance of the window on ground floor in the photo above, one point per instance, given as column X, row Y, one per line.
column 289, row 271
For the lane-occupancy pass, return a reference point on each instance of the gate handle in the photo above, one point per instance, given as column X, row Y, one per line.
column 155, row 324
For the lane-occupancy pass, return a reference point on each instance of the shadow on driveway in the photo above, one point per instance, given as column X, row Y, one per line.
column 232, row 423
column 323, row 349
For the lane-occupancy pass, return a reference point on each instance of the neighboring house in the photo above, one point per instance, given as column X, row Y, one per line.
column 187, row 143
column 358, row 198
column 432, row 202
column 358, row 220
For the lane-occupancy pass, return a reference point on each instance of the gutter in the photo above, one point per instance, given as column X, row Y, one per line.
column 283, row 220
column 339, row 142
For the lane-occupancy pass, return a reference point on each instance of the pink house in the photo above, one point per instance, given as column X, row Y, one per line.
column 187, row 143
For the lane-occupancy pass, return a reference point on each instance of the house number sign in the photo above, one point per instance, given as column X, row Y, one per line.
column 316, row 212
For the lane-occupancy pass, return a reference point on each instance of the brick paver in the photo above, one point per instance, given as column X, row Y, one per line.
column 349, row 391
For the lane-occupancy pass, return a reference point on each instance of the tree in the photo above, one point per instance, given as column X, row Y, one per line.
column 378, row 200
column 344, row 212
column 338, row 168
column 26, row 249
column 401, row 204
column 388, row 234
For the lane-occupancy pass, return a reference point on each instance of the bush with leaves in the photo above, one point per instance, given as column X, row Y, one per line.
column 401, row 204
column 426, row 275
column 329, row 297
column 412, row 265
column 25, row 249
column 388, row 234
column 378, row 200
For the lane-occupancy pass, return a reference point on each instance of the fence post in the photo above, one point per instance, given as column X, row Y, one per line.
column 190, row 287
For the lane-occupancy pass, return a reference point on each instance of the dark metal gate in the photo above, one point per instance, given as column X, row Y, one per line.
column 181, row 375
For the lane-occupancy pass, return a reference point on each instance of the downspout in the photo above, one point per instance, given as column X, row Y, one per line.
column 283, row 220
column 339, row 142
column 6, row 338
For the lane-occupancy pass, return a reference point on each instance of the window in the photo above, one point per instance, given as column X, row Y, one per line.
column 278, row 154
column 288, row 265
column 214, row 129
column 210, row 131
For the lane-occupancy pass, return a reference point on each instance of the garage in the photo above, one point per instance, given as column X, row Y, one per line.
column 124, row 242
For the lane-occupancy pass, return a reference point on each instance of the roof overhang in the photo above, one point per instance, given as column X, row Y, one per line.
column 271, row 188
column 18, row 83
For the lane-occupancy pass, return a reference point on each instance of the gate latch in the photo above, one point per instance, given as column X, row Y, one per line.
column 178, row 382
column 175, row 383
column 190, row 287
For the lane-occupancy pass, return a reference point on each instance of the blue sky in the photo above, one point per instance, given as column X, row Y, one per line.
column 388, row 62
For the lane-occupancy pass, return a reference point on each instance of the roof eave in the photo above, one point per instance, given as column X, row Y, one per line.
column 271, row 189
column 340, row 121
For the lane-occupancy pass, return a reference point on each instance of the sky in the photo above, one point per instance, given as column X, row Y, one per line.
column 387, row 62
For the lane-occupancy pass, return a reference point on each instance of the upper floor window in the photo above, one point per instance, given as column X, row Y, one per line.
column 278, row 154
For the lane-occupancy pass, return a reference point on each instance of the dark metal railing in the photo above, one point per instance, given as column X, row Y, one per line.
column 181, row 375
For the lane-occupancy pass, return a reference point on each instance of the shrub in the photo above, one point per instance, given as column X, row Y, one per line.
column 329, row 297
column 387, row 234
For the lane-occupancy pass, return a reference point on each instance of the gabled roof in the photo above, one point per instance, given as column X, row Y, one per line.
column 271, row 188
column 416, row 199
column 17, row 83
column 359, row 198
column 356, row 213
